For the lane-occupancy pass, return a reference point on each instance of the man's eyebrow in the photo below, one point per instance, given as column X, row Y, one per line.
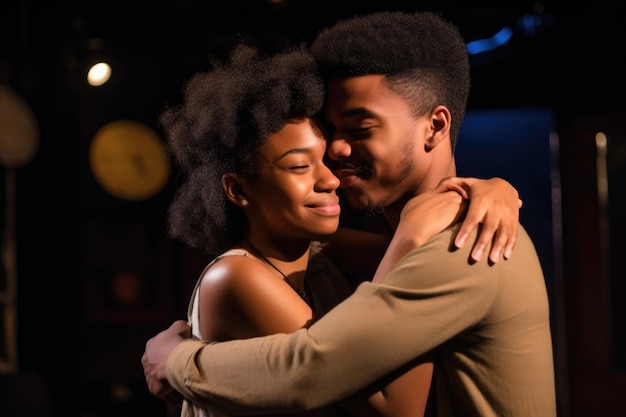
column 358, row 111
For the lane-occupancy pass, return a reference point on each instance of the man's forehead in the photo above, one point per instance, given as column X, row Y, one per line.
column 359, row 96
column 357, row 81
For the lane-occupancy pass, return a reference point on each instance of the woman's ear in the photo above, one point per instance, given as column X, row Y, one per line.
column 439, row 126
column 232, row 185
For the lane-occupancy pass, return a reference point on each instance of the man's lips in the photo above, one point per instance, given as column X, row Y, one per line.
column 342, row 173
column 347, row 176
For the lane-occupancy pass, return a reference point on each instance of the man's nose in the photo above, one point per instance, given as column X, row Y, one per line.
column 338, row 149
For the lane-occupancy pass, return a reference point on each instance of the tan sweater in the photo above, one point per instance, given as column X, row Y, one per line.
column 490, row 323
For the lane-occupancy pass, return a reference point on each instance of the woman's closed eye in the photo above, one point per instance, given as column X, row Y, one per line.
column 299, row 167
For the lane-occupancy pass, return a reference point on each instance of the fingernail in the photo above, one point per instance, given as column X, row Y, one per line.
column 477, row 254
column 495, row 256
column 460, row 240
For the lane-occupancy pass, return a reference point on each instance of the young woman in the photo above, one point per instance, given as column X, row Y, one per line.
column 259, row 198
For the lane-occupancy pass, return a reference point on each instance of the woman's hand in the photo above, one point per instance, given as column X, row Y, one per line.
column 495, row 204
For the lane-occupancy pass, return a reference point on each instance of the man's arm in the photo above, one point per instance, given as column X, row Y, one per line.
column 373, row 332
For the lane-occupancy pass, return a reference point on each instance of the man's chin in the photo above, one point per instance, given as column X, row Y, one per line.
column 364, row 205
column 374, row 211
column 357, row 201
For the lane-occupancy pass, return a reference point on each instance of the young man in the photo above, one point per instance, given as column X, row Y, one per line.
column 397, row 89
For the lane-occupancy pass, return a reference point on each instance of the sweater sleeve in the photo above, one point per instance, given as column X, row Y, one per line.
column 431, row 295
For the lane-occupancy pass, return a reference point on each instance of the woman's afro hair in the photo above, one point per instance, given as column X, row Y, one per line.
column 225, row 115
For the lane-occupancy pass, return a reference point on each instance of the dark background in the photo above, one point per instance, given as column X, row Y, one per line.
column 82, row 350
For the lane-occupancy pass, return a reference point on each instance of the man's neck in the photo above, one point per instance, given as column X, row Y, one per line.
column 393, row 211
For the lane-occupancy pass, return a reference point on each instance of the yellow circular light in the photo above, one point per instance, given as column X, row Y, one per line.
column 19, row 131
column 129, row 160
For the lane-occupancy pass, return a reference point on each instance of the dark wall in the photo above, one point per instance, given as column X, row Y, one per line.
column 572, row 65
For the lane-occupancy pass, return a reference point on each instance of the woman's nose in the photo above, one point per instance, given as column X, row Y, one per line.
column 327, row 181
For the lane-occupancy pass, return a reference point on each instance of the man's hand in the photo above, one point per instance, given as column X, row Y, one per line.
column 493, row 202
column 155, row 357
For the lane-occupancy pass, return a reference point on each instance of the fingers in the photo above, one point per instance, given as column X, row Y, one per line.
column 155, row 385
column 155, row 356
column 182, row 328
column 454, row 184
column 174, row 398
column 474, row 216
column 164, row 392
column 498, row 234
column 501, row 240
column 494, row 204
column 511, row 243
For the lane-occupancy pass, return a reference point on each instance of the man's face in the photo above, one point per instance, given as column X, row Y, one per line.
column 377, row 145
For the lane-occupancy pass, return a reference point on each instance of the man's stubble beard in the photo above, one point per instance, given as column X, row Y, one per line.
column 407, row 166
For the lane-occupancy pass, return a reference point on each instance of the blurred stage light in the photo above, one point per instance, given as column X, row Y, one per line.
column 99, row 74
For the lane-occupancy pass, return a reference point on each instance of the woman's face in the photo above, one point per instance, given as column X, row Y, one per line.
column 294, row 193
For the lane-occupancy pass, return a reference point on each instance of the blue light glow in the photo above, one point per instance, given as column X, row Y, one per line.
column 502, row 37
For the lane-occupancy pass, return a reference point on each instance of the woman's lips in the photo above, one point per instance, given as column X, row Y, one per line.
column 327, row 207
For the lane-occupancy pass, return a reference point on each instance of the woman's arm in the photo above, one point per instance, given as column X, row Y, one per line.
column 407, row 395
column 421, row 218
column 493, row 202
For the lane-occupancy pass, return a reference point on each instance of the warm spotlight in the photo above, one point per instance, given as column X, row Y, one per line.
column 99, row 74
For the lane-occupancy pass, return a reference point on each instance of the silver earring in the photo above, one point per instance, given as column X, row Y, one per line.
column 244, row 202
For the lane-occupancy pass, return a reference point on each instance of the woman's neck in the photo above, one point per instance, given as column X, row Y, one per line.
column 290, row 258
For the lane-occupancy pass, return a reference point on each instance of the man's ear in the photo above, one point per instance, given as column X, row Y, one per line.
column 439, row 126
column 233, row 187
